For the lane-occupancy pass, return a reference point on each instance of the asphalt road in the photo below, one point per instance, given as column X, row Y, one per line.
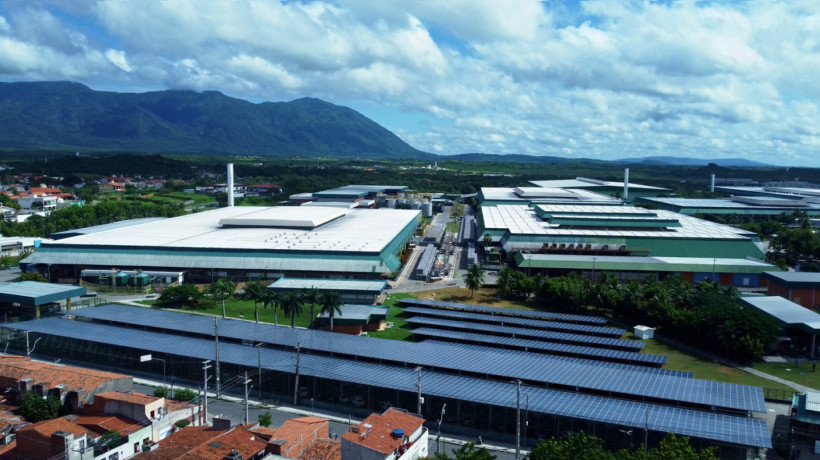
column 234, row 410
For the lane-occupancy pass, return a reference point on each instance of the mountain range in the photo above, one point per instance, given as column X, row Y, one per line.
column 72, row 116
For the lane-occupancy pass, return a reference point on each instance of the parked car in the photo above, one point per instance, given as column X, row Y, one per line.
column 384, row 405
column 357, row 401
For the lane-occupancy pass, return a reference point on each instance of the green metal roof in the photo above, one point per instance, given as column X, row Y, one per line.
column 634, row 263
column 352, row 286
column 36, row 293
column 806, row 410
column 795, row 279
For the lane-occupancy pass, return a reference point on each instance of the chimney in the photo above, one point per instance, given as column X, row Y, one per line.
column 221, row 424
column 25, row 385
column 73, row 400
column 626, row 184
column 712, row 187
column 230, row 185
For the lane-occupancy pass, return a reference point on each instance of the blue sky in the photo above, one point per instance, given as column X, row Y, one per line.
column 595, row 79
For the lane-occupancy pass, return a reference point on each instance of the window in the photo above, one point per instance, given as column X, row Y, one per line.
column 114, row 456
column 136, row 447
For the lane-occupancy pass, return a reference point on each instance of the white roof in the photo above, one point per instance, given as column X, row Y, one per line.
column 357, row 230
column 541, row 194
column 284, row 217
column 522, row 220
column 586, row 182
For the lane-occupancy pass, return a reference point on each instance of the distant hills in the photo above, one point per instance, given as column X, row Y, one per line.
column 68, row 116
column 72, row 116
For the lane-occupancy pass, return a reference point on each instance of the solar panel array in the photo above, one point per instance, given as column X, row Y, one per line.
column 701, row 424
column 581, row 375
column 516, row 321
column 508, row 331
column 504, row 311
column 546, row 347
column 426, row 261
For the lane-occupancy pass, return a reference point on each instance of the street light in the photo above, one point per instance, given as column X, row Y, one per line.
column 146, row 358
column 31, row 349
column 593, row 269
column 438, row 436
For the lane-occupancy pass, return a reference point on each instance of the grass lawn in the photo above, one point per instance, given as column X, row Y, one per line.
column 801, row 374
column 399, row 331
column 237, row 308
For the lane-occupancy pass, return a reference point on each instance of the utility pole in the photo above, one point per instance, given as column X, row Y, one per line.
column 216, row 370
column 247, row 381
column 205, row 366
column 259, row 353
column 646, row 432
column 296, row 382
column 517, row 419
column 418, row 389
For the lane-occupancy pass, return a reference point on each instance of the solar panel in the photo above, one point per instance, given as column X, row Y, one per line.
column 546, row 347
column 516, row 321
column 708, row 425
column 508, row 331
column 551, row 370
column 504, row 311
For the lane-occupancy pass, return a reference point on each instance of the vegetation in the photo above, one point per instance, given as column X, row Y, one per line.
column 184, row 394
column 221, row 290
column 311, row 297
column 161, row 392
column 592, row 448
column 33, row 276
column 474, row 278
column 180, row 424
column 184, row 295
column 36, row 408
column 265, row 419
column 467, row 452
column 331, row 305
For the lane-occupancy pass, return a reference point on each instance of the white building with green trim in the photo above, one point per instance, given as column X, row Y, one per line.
column 243, row 243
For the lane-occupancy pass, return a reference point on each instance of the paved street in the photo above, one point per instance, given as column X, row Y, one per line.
column 234, row 409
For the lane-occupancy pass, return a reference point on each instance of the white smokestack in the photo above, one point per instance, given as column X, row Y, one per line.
column 712, row 187
column 626, row 184
column 230, row 185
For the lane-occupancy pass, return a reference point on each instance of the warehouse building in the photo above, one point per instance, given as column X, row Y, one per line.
column 751, row 206
column 633, row 242
column 241, row 243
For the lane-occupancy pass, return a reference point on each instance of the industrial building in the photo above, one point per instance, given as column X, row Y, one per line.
column 631, row 242
column 241, row 243
column 751, row 206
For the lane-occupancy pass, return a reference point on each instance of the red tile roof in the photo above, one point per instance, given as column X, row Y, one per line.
column 13, row 369
column 379, row 436
column 299, row 433
column 205, row 443
column 102, row 423
column 324, row 449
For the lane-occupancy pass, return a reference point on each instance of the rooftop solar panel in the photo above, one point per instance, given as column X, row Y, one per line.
column 552, row 370
column 508, row 331
column 505, row 311
column 531, row 323
column 718, row 427
column 546, row 347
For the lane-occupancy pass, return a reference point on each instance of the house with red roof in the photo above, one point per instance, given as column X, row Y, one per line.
column 394, row 435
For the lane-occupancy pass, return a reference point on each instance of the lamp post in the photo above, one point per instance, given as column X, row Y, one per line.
column 714, row 262
column 30, row 350
column 146, row 358
column 593, row 269
column 438, row 436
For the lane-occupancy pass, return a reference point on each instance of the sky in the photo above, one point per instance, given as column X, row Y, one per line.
column 591, row 79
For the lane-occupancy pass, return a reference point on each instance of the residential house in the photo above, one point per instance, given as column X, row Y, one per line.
column 132, row 434
column 111, row 187
column 74, row 386
column 295, row 437
column 218, row 442
column 157, row 412
column 393, row 435
column 57, row 438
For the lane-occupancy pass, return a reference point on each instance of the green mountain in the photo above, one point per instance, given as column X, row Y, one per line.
column 69, row 116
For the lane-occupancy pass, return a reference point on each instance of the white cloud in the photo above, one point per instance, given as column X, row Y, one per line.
column 608, row 79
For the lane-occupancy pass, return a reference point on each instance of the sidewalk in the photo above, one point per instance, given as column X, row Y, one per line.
column 795, row 386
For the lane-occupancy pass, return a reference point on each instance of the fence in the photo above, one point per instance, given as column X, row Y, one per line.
column 109, row 289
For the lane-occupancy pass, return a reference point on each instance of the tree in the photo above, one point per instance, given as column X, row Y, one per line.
column 504, row 282
column 487, row 240
column 36, row 408
column 474, row 278
column 331, row 305
column 292, row 306
column 255, row 291
column 311, row 297
column 221, row 290
column 33, row 276
column 273, row 299
column 467, row 452
column 265, row 419
column 183, row 295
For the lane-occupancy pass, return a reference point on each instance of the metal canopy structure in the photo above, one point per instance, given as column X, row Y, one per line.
column 516, row 321
column 580, row 375
column 508, row 331
column 584, row 319
column 579, row 351
column 34, row 294
column 742, row 431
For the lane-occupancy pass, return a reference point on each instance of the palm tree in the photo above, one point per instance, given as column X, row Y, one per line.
column 474, row 278
column 292, row 306
column 504, row 282
column 311, row 297
column 255, row 291
column 222, row 289
column 330, row 305
column 273, row 299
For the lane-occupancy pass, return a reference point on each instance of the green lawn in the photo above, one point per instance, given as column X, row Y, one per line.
column 399, row 331
column 801, row 374
column 237, row 308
